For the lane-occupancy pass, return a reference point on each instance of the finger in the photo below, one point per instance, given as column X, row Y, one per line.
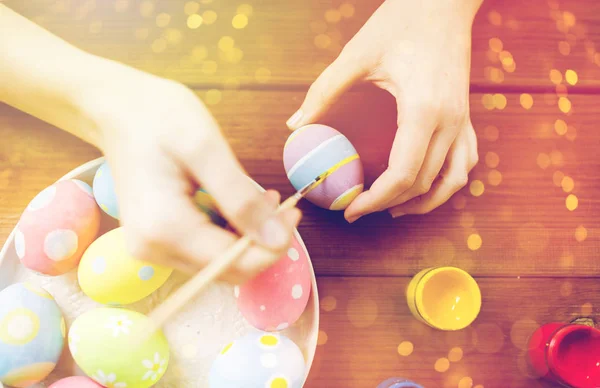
column 455, row 177
column 406, row 158
column 327, row 88
column 212, row 163
column 437, row 152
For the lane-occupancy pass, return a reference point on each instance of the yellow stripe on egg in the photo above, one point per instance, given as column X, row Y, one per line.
column 343, row 201
column 294, row 134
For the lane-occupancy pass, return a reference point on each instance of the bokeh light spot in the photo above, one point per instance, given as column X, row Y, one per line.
column 564, row 104
column 405, row 348
column 209, row 17
column 587, row 308
column 322, row 41
column 163, row 19
column 441, row 365
column 564, row 47
column 567, row 260
column 543, row 160
column 347, row 10
column 245, row 9
column 199, row 53
column 333, row 16
column 557, row 178
column 572, row 202
column 571, row 133
column 262, row 75
column 494, row 177
column 362, row 312
column 492, row 159
column 465, row 382
column 455, row 354
column 556, row 158
column 467, row 220
column 569, row 18
column 488, row 101
column 191, row 7
column 239, row 21
column 496, row 45
column 194, row 21
column 581, row 233
column 322, row 338
column 499, row 101
column 159, row 45
column 146, row 8
column 213, row 97
column 173, row 36
column 226, row 43
column 495, row 18
column 477, row 188
column 474, row 241
column 526, row 100
column 328, row 303
column 560, row 126
column 555, row 76
column 491, row 133
column 459, row 201
column 209, row 67
column 567, row 184
column 488, row 338
column 571, row 77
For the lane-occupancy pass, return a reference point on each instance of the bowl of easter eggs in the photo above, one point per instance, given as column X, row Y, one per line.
column 71, row 295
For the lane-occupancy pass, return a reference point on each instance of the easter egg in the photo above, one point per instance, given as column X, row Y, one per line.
column 56, row 227
column 259, row 360
column 207, row 204
column 277, row 297
column 314, row 149
column 76, row 382
column 104, row 346
column 110, row 275
column 32, row 334
column 104, row 191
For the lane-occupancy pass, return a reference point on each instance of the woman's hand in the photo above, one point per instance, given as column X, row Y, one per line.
column 161, row 143
column 419, row 51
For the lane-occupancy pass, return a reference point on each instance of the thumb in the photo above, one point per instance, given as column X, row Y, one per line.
column 326, row 89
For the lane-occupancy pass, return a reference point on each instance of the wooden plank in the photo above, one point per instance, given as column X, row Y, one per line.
column 524, row 223
column 280, row 37
column 364, row 320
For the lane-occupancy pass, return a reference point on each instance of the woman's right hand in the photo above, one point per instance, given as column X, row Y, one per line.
column 161, row 143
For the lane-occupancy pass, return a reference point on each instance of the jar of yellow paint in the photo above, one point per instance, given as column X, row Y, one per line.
column 445, row 298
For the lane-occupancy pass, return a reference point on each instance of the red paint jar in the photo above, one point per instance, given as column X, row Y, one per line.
column 567, row 354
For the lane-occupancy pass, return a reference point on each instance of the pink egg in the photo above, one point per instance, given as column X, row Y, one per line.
column 57, row 227
column 314, row 149
column 76, row 382
column 277, row 297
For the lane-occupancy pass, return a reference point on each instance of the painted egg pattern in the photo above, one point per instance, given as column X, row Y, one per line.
column 259, row 360
column 32, row 334
column 104, row 191
column 100, row 342
column 109, row 275
column 56, row 227
column 76, row 382
column 313, row 149
column 276, row 298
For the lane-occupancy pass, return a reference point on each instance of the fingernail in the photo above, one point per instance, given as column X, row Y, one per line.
column 293, row 121
column 273, row 233
column 352, row 219
column 397, row 214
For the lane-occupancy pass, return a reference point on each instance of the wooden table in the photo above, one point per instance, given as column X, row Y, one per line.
column 538, row 260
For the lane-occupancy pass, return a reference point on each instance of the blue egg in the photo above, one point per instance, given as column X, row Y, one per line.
column 259, row 360
column 32, row 334
column 104, row 191
column 398, row 382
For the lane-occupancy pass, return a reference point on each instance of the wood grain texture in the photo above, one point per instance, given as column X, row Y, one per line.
column 280, row 37
column 364, row 320
column 524, row 223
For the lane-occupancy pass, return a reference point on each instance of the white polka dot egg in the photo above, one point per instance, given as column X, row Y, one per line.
column 276, row 298
column 104, row 191
column 109, row 275
column 56, row 227
column 32, row 334
column 104, row 346
column 259, row 360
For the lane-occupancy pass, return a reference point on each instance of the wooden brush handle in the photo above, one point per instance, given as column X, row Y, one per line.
column 176, row 301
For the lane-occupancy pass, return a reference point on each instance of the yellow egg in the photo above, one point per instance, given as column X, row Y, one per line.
column 110, row 275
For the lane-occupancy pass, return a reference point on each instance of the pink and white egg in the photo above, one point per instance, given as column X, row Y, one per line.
column 76, row 382
column 57, row 227
column 314, row 149
column 276, row 298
